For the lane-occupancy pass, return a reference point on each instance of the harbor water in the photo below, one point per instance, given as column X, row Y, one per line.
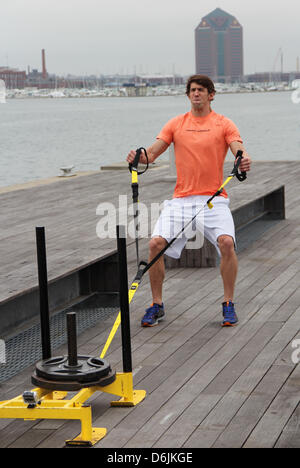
column 39, row 136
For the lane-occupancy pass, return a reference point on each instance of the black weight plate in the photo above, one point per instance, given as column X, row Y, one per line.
column 89, row 369
column 56, row 361
column 72, row 386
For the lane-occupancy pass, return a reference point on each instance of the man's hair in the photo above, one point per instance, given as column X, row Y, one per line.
column 202, row 80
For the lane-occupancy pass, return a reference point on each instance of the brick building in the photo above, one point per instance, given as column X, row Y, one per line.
column 219, row 47
column 14, row 79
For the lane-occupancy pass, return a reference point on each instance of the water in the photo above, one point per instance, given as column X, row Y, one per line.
column 38, row 136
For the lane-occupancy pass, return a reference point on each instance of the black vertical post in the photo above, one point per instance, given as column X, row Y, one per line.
column 72, row 339
column 124, row 302
column 43, row 288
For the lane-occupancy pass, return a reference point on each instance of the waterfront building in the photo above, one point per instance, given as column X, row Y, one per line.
column 219, row 47
column 272, row 77
column 36, row 79
column 13, row 78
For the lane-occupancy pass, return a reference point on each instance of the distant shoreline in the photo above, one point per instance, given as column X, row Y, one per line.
column 68, row 93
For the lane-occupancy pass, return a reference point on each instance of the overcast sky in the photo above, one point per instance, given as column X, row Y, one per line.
column 153, row 36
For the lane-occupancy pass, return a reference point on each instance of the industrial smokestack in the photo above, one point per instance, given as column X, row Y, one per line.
column 44, row 73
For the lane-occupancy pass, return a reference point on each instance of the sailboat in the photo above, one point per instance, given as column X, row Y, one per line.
column 2, row 92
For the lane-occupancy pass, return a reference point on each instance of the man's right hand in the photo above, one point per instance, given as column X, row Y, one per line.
column 132, row 154
column 158, row 147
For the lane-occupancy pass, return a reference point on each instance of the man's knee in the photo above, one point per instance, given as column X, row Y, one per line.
column 226, row 245
column 156, row 244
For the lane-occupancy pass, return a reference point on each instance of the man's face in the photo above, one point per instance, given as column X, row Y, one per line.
column 199, row 96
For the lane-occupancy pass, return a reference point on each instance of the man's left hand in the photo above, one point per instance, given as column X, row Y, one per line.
column 245, row 165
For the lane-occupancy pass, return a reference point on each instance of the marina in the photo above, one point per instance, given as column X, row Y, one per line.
column 206, row 386
column 136, row 90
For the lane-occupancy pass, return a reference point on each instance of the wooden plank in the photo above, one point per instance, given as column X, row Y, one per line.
column 31, row 438
column 290, row 436
column 251, row 409
column 269, row 428
column 191, row 417
column 13, row 431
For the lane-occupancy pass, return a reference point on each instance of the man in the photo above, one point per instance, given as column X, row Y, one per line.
column 201, row 140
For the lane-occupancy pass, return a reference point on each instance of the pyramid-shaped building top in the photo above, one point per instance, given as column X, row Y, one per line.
column 219, row 20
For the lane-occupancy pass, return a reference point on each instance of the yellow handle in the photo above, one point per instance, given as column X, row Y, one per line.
column 210, row 205
column 134, row 177
column 226, row 182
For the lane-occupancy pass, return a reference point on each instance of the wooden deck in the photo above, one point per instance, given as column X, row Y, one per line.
column 206, row 386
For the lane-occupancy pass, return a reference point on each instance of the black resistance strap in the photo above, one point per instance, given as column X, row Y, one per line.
column 133, row 167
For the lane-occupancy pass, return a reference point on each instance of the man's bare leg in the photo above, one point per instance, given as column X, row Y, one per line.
column 157, row 271
column 229, row 266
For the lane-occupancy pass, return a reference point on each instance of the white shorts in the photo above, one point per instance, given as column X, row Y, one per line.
column 209, row 223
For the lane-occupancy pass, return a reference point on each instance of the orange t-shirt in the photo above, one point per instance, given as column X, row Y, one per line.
column 201, row 145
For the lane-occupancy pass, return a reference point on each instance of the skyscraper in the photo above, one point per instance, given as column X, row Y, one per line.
column 219, row 47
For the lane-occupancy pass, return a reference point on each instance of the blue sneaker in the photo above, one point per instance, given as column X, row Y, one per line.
column 153, row 315
column 230, row 317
